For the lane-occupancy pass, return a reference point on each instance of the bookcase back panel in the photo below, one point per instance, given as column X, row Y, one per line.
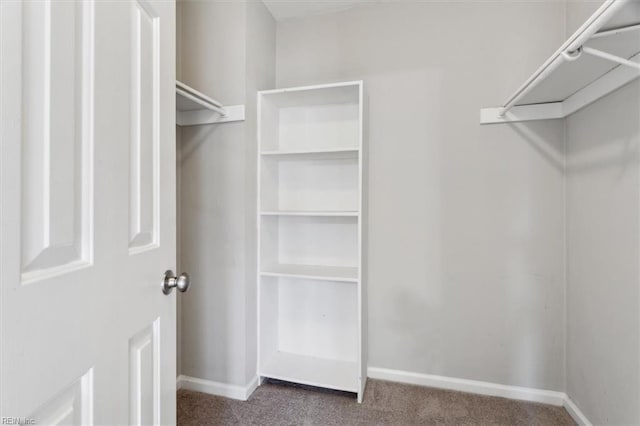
column 318, row 241
column 318, row 318
column 319, row 127
column 322, row 185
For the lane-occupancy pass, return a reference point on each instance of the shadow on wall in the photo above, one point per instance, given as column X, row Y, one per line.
column 532, row 134
column 613, row 145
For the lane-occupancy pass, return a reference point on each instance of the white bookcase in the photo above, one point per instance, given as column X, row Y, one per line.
column 311, row 322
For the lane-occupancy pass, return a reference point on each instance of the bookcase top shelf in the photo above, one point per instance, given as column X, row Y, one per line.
column 323, row 94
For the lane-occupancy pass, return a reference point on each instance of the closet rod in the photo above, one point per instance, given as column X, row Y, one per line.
column 575, row 42
column 201, row 99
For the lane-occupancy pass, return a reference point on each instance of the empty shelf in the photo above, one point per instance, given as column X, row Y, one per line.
column 313, row 272
column 600, row 57
column 310, row 213
column 308, row 370
column 321, row 154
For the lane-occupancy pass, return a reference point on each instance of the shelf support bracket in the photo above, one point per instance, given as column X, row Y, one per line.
column 519, row 113
column 609, row 57
column 572, row 55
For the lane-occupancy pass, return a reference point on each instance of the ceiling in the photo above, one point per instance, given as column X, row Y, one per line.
column 291, row 9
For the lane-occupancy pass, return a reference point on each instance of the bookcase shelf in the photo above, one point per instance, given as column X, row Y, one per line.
column 314, row 272
column 326, row 213
column 312, row 371
column 311, row 326
column 311, row 154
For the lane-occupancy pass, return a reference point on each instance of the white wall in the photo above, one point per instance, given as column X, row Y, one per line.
column 466, row 244
column 603, row 213
column 578, row 11
column 227, row 51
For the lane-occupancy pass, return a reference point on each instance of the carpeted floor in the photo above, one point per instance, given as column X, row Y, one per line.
column 385, row 403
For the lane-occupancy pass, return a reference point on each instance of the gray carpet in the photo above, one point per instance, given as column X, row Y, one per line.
column 385, row 403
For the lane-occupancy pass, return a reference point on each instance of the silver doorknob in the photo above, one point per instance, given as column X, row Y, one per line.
column 170, row 281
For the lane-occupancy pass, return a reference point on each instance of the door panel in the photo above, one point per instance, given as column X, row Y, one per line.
column 144, row 176
column 57, row 96
column 74, row 405
column 87, row 219
column 144, row 376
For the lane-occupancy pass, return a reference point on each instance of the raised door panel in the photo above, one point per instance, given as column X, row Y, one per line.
column 144, row 149
column 72, row 406
column 144, row 376
column 57, row 137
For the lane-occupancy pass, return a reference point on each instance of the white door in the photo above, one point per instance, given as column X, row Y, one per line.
column 87, row 159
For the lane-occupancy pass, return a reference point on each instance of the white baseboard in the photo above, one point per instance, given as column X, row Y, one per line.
column 252, row 386
column 559, row 399
column 471, row 386
column 575, row 413
column 241, row 393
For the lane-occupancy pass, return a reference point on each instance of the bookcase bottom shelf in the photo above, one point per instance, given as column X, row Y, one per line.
column 312, row 371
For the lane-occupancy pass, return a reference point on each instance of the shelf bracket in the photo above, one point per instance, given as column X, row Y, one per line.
column 609, row 57
column 206, row 116
column 572, row 55
column 520, row 113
